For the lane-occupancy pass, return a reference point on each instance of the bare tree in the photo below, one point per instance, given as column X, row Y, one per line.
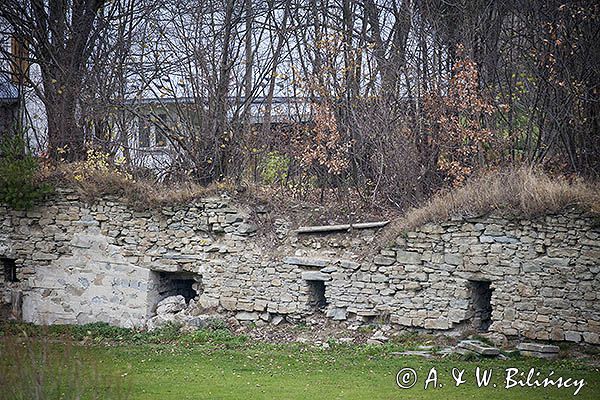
column 60, row 37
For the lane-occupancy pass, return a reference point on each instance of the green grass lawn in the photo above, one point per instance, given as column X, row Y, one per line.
column 221, row 366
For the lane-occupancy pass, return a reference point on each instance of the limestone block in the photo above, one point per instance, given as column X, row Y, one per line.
column 383, row 260
column 537, row 347
column 306, row 261
column 439, row 323
column 479, row 347
column 378, row 278
column 572, row 336
column 170, row 305
column 315, row 276
column 456, row 316
column 408, row 257
column 245, row 305
column 246, row 228
column 591, row 337
column 337, row 314
column 388, row 253
column 453, row 259
column 401, row 320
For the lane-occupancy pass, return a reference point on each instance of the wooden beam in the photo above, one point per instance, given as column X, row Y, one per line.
column 342, row 227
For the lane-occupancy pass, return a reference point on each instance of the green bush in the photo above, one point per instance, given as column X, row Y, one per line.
column 274, row 168
column 18, row 184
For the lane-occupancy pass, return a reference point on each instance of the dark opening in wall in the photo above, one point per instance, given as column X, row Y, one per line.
column 316, row 294
column 172, row 284
column 10, row 269
column 481, row 298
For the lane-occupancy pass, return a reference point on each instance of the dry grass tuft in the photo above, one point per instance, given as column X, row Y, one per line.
column 523, row 192
column 139, row 194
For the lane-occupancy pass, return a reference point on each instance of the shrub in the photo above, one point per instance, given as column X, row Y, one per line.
column 274, row 168
column 101, row 177
column 19, row 184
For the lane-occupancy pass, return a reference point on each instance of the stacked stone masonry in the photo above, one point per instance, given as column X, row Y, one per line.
column 79, row 263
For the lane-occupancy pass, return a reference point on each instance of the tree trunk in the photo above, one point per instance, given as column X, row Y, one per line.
column 65, row 136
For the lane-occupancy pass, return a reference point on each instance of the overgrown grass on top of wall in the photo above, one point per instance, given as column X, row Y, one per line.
column 140, row 194
column 523, row 192
column 520, row 192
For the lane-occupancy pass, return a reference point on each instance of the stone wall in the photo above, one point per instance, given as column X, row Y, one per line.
column 79, row 262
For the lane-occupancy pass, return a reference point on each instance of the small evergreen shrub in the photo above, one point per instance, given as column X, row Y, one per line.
column 274, row 168
column 19, row 186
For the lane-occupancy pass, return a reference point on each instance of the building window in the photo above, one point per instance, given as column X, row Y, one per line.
column 159, row 138
column 144, row 132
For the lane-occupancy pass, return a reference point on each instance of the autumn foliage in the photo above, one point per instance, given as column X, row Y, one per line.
column 456, row 120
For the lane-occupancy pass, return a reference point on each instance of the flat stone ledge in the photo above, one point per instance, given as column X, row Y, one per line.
column 537, row 347
column 166, row 268
column 184, row 257
column 315, row 276
column 383, row 260
column 306, row 261
column 479, row 347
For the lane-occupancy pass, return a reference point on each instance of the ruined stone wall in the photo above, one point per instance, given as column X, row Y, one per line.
column 80, row 262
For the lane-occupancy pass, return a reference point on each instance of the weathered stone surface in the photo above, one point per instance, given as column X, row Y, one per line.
column 537, row 347
column 246, row 316
column 231, row 218
column 572, row 336
column 453, row 259
column 170, row 305
column 439, row 323
column 315, row 276
column 80, row 263
column 247, row 228
column 378, row 338
column 204, row 321
column 305, row 261
column 408, row 257
column 159, row 320
column 383, row 260
column 479, row 347
column 337, row 314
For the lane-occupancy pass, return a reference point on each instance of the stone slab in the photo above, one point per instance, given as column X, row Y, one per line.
column 479, row 347
column 306, row 261
column 537, row 347
column 315, row 276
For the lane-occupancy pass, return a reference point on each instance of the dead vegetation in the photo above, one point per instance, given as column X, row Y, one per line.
column 140, row 194
column 522, row 192
column 93, row 181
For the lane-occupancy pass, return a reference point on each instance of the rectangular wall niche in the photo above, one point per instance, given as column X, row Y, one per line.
column 187, row 285
column 10, row 269
column 316, row 295
column 481, row 300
